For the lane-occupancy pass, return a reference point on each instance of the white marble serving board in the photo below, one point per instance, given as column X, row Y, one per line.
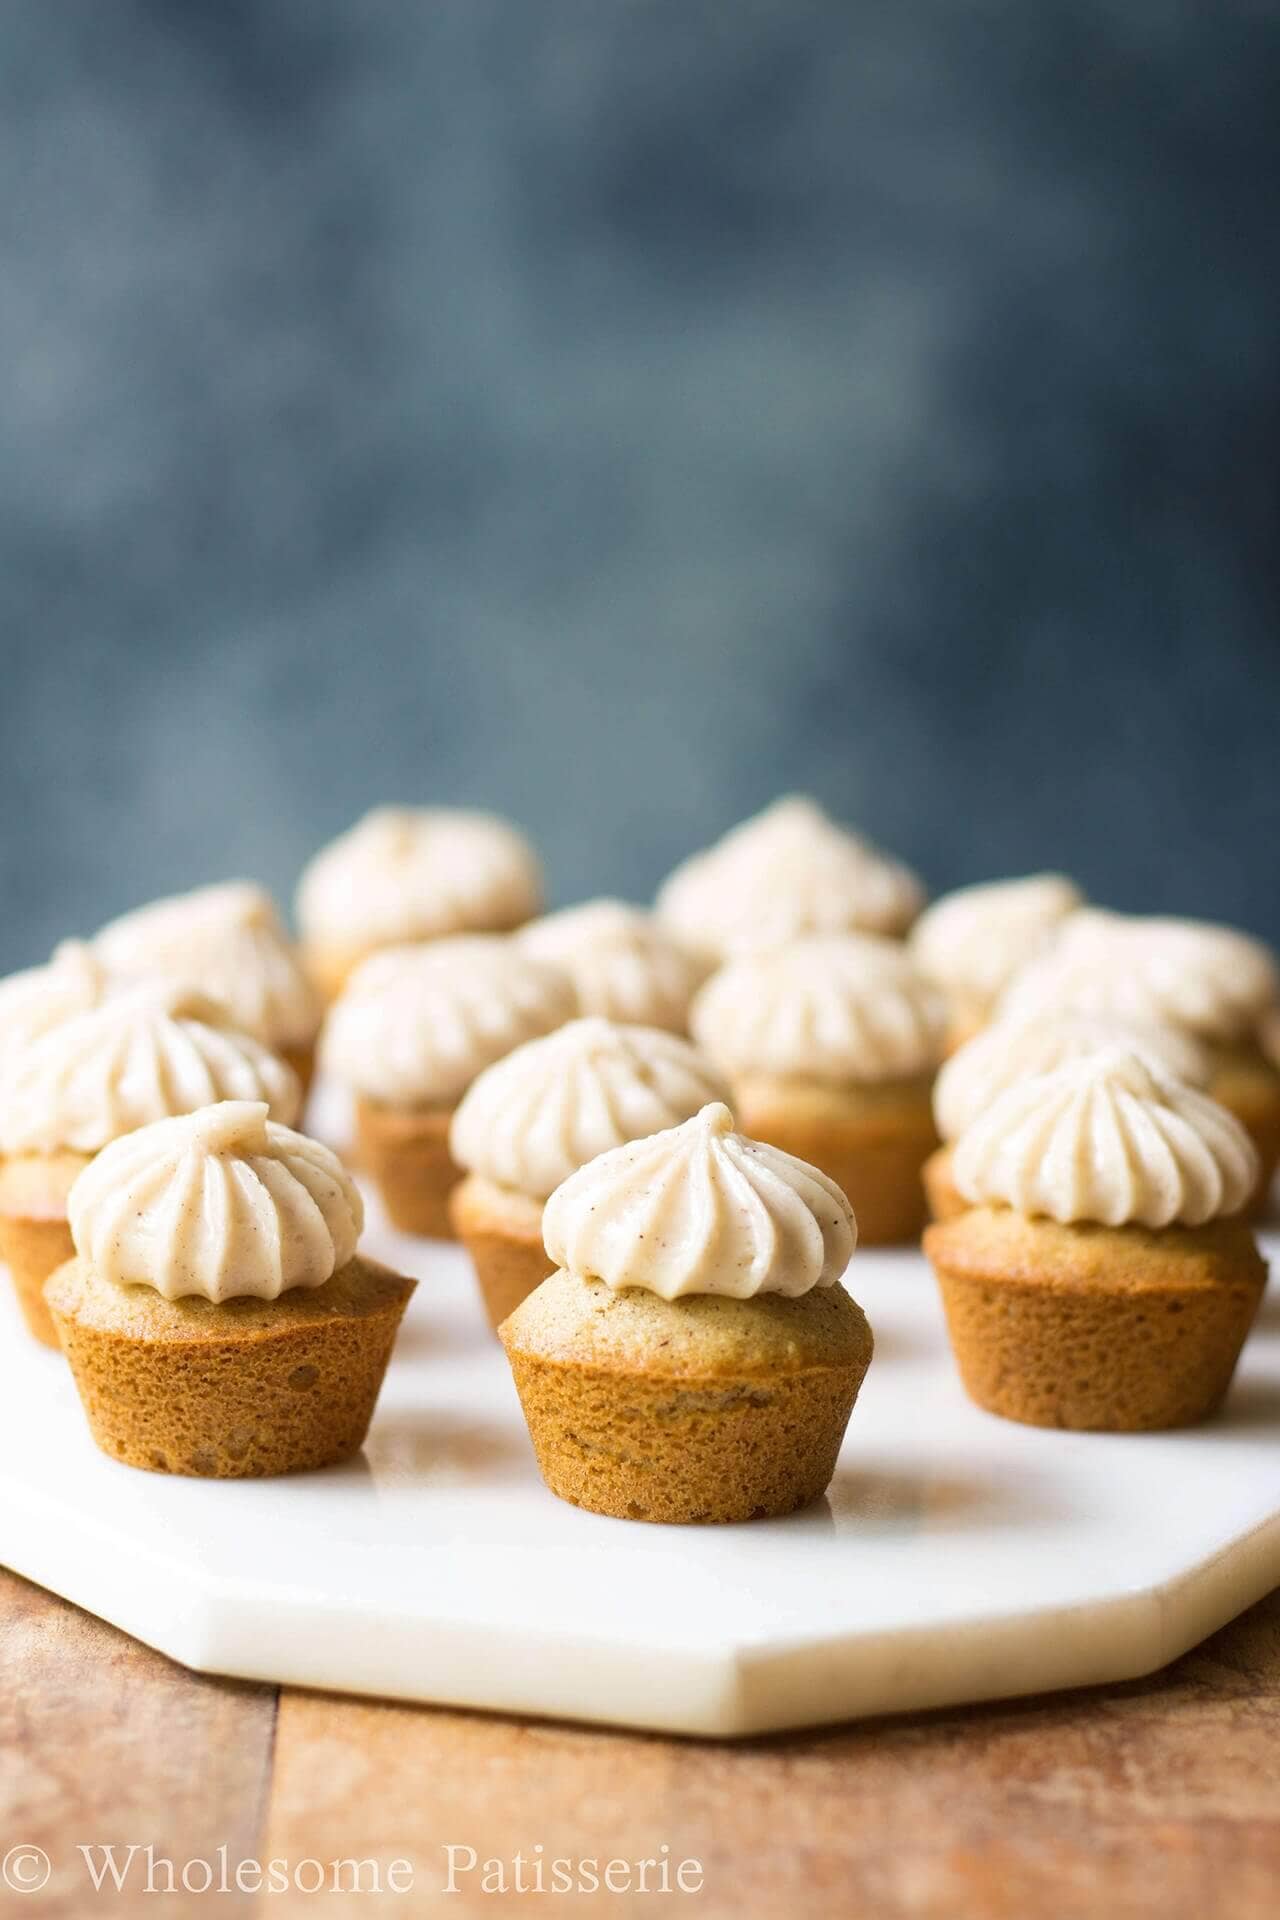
column 957, row 1557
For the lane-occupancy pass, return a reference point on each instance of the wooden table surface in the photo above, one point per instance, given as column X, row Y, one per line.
column 1158, row 1797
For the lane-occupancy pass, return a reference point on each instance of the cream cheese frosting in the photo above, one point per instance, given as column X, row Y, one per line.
column 701, row 1209
column 1206, row 980
column 623, row 962
column 1107, row 1139
column 1012, row 1050
column 36, row 999
column 973, row 941
column 415, row 1025
column 223, row 1203
column 532, row 1119
column 837, row 1008
column 417, row 873
column 229, row 941
column 787, row 872
column 144, row 1054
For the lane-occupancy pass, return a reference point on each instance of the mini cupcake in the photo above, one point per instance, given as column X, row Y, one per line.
column 530, row 1121
column 39, row 997
column 623, row 962
column 405, row 874
column 144, row 1053
column 1013, row 1050
column 229, row 941
column 1097, row 1280
column 409, row 1033
column 788, row 872
column 693, row 1357
column 217, row 1318
column 830, row 1046
column 972, row 942
column 1211, row 982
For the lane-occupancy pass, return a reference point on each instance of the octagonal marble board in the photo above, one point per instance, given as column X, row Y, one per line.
column 957, row 1557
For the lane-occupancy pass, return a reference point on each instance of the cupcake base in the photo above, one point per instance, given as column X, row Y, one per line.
column 303, row 1061
column 944, row 1198
column 405, row 1152
column 34, row 1235
column 871, row 1140
column 1119, row 1329
column 695, row 1410
column 232, row 1391
column 502, row 1231
column 1247, row 1085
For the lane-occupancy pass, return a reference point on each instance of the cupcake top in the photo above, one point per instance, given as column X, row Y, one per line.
column 1108, row 1139
column 415, row 1025
column 39, row 997
column 223, row 1203
column 972, row 942
column 838, row 1008
column 417, row 873
column 145, row 1053
column 229, row 941
column 623, row 962
column 789, row 871
column 701, row 1209
column 1012, row 1050
column 535, row 1117
column 1202, row 979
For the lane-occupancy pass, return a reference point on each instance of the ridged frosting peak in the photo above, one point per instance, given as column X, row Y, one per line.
column 1012, row 1050
column 788, row 871
column 973, row 941
column 416, row 873
column 701, row 1209
column 228, row 940
column 532, row 1119
column 36, row 999
column 415, row 1025
column 143, row 1054
column 837, row 1008
column 223, row 1203
column 624, row 964
column 1105, row 1138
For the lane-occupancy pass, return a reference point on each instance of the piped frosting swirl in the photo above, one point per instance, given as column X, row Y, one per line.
column 229, row 941
column 536, row 1116
column 415, row 1025
column 417, row 873
column 222, row 1203
column 144, row 1054
column 36, row 999
column 837, row 1008
column 1012, row 1050
column 972, row 942
column 623, row 962
column 701, row 1209
column 1107, row 1139
column 787, row 872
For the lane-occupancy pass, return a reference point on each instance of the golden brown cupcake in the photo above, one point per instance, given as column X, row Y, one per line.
column 406, row 874
column 972, row 942
column 693, row 1357
column 830, row 1046
column 409, row 1033
column 530, row 1121
column 1211, row 982
column 624, row 964
column 1012, row 1050
column 788, row 872
column 229, row 941
column 1098, row 1280
column 217, row 1318
column 145, row 1052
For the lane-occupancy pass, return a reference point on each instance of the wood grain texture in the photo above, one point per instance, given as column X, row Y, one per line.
column 1161, row 1796
column 104, row 1741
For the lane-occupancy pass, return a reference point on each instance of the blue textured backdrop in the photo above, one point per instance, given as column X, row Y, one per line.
column 618, row 412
